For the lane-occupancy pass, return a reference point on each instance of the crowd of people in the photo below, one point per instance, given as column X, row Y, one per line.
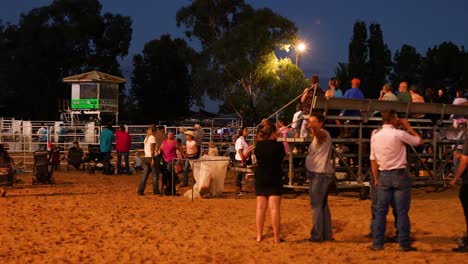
column 391, row 185
column 390, row 182
column 167, row 152
column 161, row 148
column 405, row 93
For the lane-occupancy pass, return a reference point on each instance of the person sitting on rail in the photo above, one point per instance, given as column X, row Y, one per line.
column 386, row 93
column 416, row 98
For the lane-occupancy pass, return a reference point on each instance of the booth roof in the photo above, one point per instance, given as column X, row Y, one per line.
column 93, row 76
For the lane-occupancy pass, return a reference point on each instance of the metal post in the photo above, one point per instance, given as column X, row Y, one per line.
column 172, row 174
column 434, row 151
column 359, row 173
column 291, row 166
column 193, row 182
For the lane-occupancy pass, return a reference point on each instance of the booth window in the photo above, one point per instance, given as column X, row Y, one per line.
column 88, row 91
column 109, row 91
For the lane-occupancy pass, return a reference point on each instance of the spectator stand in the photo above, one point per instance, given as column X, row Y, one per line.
column 426, row 163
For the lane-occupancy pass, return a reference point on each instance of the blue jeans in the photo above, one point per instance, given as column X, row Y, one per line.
column 464, row 201
column 106, row 157
column 119, row 162
column 394, row 185
column 186, row 173
column 146, row 171
column 321, row 217
column 373, row 196
column 168, row 181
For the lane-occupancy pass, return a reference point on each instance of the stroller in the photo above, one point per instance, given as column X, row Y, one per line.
column 42, row 170
column 94, row 160
column 93, row 157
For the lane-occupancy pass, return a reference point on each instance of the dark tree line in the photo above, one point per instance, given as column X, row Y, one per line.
column 369, row 59
column 237, row 63
column 51, row 42
column 162, row 80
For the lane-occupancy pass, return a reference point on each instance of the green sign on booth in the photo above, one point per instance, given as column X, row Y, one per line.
column 84, row 104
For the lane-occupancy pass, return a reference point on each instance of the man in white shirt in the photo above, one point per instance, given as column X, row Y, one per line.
column 391, row 179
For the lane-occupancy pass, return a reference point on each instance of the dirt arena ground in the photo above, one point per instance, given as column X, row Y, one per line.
column 94, row 218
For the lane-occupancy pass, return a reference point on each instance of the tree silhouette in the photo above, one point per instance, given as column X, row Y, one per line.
column 357, row 55
column 342, row 74
column 237, row 43
column 55, row 41
column 379, row 62
column 464, row 77
column 443, row 66
column 161, row 80
column 407, row 63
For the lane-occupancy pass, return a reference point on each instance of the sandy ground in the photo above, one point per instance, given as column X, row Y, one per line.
column 99, row 219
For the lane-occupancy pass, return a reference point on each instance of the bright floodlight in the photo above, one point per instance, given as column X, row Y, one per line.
column 301, row 47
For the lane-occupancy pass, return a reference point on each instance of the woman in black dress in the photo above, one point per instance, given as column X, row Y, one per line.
column 268, row 184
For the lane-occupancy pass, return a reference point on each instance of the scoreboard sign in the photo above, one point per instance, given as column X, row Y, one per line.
column 85, row 104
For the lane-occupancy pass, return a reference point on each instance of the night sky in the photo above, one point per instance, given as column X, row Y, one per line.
column 326, row 26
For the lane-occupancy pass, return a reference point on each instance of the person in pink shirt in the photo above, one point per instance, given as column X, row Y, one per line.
column 169, row 149
column 123, row 142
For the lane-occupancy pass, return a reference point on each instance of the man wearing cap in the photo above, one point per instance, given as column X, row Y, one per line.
column 353, row 93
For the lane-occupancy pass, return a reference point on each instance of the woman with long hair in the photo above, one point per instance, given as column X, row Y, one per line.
column 149, row 162
column 268, row 180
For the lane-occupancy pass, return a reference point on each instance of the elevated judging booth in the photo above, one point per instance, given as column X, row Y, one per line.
column 94, row 93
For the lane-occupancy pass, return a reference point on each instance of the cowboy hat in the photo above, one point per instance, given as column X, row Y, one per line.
column 190, row 133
